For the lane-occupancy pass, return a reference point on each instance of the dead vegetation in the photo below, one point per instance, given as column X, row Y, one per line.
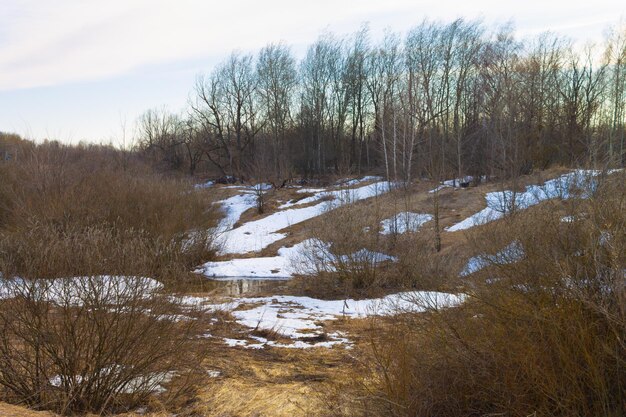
column 278, row 382
column 542, row 336
column 57, row 196
column 82, row 326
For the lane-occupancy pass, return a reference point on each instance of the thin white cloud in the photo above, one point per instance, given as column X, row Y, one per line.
column 48, row 43
column 51, row 43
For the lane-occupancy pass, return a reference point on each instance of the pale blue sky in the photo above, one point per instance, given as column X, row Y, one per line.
column 76, row 69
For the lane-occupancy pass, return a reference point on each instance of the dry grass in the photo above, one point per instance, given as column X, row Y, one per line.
column 398, row 366
column 8, row 410
column 419, row 266
column 275, row 382
column 63, row 194
column 73, row 211
column 543, row 336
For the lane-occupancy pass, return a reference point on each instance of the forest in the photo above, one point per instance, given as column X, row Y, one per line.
column 443, row 100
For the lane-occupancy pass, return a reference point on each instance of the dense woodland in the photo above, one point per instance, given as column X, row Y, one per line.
column 444, row 100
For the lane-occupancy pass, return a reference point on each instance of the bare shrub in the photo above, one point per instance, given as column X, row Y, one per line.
column 354, row 257
column 91, row 342
column 419, row 265
column 350, row 255
column 539, row 336
column 59, row 191
column 81, row 330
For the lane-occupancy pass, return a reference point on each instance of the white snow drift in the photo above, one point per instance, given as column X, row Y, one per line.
column 300, row 318
column 578, row 183
column 512, row 253
column 404, row 222
column 305, row 258
column 257, row 235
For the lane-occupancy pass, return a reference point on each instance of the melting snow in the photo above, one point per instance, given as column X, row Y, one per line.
column 256, row 235
column 207, row 184
column 310, row 190
column 300, row 318
column 233, row 207
column 234, row 342
column 342, row 194
column 285, row 265
column 455, row 183
column 305, row 258
column 356, row 181
column 512, row 253
column 77, row 290
column 151, row 382
column 500, row 203
column 404, row 222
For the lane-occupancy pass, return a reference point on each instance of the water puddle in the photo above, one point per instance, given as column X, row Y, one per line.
column 243, row 287
column 233, row 287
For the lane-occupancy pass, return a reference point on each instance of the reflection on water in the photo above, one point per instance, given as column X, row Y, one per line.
column 232, row 287
column 246, row 286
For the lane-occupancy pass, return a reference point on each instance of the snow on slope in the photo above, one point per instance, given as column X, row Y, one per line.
column 289, row 261
column 300, row 318
column 233, row 207
column 282, row 266
column 259, row 234
column 455, row 183
column 296, row 316
column 404, row 222
column 501, row 202
column 510, row 254
column 356, row 181
column 342, row 194
column 207, row 184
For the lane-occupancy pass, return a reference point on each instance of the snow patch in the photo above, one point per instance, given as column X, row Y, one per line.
column 297, row 317
column 288, row 262
column 499, row 203
column 207, row 184
column 455, row 183
column 404, row 222
column 115, row 290
column 151, row 382
column 356, row 181
column 233, row 207
column 305, row 258
column 342, row 194
column 259, row 234
column 514, row 252
column 301, row 318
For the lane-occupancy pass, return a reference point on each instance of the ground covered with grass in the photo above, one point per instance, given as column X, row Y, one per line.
column 126, row 292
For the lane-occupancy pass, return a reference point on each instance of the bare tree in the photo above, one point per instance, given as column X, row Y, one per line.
column 160, row 136
column 277, row 81
column 616, row 59
column 322, row 105
column 225, row 106
column 452, row 97
column 358, row 99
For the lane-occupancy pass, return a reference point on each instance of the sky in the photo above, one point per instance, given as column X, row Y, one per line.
column 84, row 70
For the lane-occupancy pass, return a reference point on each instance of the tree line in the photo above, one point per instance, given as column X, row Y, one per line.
column 446, row 99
